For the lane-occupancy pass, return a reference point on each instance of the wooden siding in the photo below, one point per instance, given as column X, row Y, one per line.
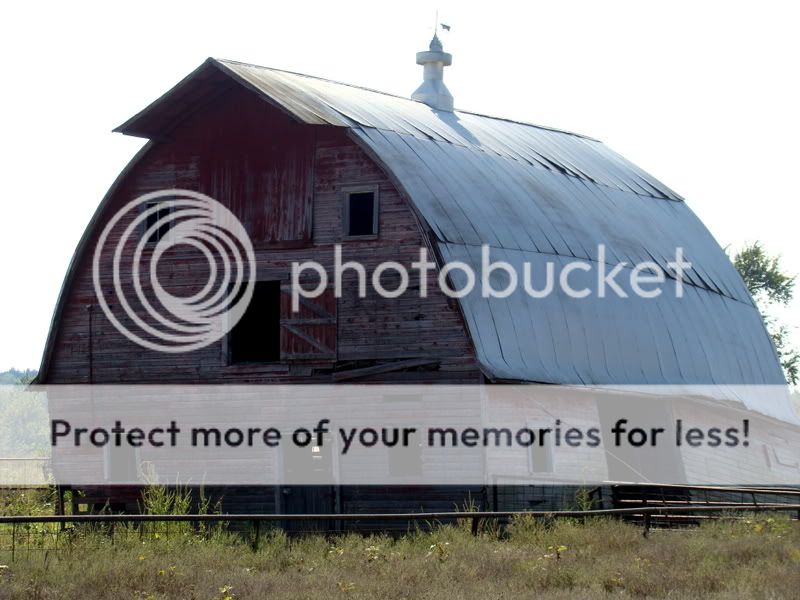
column 283, row 180
column 309, row 333
column 776, row 460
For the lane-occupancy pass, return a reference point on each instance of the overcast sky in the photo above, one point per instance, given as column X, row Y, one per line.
column 703, row 95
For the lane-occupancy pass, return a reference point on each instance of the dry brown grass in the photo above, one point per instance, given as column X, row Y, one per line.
column 758, row 558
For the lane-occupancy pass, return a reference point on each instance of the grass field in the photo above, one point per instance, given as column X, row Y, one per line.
column 754, row 558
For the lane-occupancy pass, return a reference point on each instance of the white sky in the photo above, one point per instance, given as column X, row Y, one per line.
column 703, row 95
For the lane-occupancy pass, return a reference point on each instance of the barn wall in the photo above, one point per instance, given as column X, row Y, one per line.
column 776, row 460
column 283, row 180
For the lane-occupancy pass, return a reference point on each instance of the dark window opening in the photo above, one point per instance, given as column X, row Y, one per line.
column 257, row 335
column 121, row 464
column 406, row 461
column 405, row 458
column 153, row 218
column 361, row 214
column 541, row 457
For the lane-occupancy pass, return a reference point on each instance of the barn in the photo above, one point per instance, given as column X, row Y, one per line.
column 306, row 163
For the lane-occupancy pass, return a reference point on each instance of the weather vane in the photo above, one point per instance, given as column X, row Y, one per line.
column 437, row 24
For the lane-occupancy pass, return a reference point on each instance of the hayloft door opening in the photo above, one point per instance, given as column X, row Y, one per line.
column 256, row 338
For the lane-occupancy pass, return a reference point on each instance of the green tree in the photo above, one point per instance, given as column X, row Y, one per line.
column 769, row 285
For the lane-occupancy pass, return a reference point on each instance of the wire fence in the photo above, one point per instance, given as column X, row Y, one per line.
column 22, row 536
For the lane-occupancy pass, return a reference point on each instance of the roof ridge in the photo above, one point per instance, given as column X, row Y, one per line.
column 381, row 92
column 318, row 78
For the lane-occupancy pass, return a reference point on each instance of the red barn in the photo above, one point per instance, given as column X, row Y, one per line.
column 306, row 163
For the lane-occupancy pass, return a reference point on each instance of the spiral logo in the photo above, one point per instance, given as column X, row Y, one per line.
column 163, row 221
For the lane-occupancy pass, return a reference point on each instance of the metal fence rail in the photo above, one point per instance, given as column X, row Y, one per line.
column 430, row 516
column 512, row 492
column 783, row 491
column 646, row 513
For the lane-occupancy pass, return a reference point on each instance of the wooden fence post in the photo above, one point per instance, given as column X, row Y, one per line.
column 475, row 523
column 257, row 528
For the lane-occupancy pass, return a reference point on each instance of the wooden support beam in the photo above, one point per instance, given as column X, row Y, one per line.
column 397, row 365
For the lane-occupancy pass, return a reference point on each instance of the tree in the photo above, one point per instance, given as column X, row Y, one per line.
column 769, row 285
column 15, row 377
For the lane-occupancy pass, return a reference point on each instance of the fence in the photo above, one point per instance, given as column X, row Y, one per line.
column 511, row 492
column 52, row 529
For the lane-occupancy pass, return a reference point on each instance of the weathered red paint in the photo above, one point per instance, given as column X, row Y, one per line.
column 283, row 180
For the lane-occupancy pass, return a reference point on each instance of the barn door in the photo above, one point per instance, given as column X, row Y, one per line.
column 310, row 333
column 311, row 463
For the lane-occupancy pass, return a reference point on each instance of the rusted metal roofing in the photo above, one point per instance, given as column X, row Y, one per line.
column 537, row 194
